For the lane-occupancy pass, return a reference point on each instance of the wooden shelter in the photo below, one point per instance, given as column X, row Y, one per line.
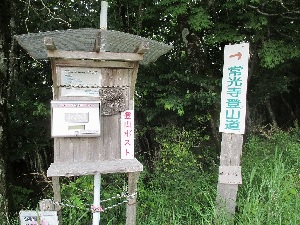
column 94, row 74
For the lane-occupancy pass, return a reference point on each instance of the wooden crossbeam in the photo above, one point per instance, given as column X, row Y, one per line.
column 131, row 57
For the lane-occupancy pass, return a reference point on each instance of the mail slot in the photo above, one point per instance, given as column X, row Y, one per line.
column 75, row 118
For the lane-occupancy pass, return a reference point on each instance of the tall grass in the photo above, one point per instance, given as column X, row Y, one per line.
column 270, row 193
column 180, row 192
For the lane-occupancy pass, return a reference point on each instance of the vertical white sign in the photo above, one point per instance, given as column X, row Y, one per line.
column 234, row 88
column 127, row 134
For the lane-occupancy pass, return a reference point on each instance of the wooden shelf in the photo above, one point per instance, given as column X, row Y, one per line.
column 68, row 169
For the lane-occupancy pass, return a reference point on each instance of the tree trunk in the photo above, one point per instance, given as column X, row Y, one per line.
column 271, row 113
column 292, row 114
column 5, row 43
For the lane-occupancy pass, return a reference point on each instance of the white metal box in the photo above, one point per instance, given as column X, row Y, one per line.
column 75, row 118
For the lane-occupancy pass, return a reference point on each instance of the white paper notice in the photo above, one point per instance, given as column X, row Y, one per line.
column 80, row 82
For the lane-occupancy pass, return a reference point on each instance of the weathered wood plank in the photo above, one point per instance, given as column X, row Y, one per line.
column 65, row 149
column 231, row 151
column 93, row 63
column 116, row 77
column 132, row 57
column 54, row 79
column 132, row 87
column 91, row 168
column 111, row 137
column 83, row 151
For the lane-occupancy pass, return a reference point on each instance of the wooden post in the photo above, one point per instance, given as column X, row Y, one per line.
column 48, row 213
column 57, row 197
column 232, row 124
column 229, row 173
column 46, row 205
column 131, row 204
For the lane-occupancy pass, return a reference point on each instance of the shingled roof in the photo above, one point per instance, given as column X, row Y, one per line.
column 84, row 39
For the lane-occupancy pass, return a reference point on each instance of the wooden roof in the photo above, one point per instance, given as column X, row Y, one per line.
column 84, row 40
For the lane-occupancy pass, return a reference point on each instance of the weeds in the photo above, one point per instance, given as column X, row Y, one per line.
column 180, row 192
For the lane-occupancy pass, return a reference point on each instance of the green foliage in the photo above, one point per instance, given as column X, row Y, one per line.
column 21, row 197
column 276, row 52
column 77, row 195
column 200, row 19
column 176, row 145
column 29, row 113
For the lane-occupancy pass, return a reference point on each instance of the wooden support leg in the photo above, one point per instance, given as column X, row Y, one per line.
column 131, row 204
column 57, row 197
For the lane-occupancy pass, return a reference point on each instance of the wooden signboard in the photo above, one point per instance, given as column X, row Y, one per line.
column 109, row 82
column 232, row 124
column 234, row 89
column 94, row 138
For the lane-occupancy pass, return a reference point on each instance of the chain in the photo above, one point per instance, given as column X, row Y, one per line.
column 69, row 86
column 99, row 208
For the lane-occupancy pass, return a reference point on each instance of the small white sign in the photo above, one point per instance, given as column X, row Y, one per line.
column 38, row 217
column 127, row 134
column 230, row 175
column 75, row 118
column 234, row 89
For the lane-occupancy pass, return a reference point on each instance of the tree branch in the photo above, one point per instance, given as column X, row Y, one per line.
column 50, row 14
column 282, row 14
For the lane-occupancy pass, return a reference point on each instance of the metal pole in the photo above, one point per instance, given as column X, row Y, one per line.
column 103, row 15
column 96, row 205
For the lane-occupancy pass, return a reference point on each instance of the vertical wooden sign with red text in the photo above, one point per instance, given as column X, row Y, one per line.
column 232, row 123
column 127, row 134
